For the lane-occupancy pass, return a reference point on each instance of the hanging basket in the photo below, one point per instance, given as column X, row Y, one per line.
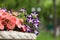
column 8, row 22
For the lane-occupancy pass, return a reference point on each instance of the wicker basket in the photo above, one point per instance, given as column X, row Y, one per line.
column 13, row 35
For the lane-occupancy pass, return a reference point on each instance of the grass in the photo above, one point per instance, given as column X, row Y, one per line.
column 46, row 36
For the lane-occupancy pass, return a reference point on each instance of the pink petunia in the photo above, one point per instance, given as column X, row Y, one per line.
column 10, row 25
column 1, row 25
column 18, row 23
column 13, row 19
column 23, row 28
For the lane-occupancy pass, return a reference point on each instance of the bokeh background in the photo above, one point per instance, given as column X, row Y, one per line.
column 45, row 9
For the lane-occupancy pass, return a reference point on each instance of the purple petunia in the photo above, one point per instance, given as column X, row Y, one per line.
column 36, row 21
column 29, row 16
column 36, row 32
column 4, row 9
column 33, row 18
column 34, row 14
column 28, row 28
column 30, row 20
column 36, row 25
column 23, row 10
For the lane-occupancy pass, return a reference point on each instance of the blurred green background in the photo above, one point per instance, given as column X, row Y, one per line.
column 45, row 15
column 45, row 5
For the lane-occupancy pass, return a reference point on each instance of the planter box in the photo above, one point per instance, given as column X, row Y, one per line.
column 13, row 35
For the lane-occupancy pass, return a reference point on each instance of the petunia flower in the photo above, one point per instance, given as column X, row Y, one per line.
column 23, row 28
column 28, row 28
column 1, row 25
column 10, row 26
column 36, row 32
column 29, row 16
column 36, row 21
column 23, row 10
column 36, row 25
column 13, row 19
column 34, row 14
column 18, row 23
column 26, row 25
column 30, row 20
column 4, row 9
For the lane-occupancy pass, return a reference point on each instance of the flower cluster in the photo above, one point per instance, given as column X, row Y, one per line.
column 9, row 21
column 23, row 22
column 33, row 19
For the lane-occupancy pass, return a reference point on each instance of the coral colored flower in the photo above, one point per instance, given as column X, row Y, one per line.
column 18, row 23
column 10, row 25
column 5, row 13
column 0, row 17
column 1, row 25
column 8, row 17
column 23, row 28
column 3, row 22
column 13, row 19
